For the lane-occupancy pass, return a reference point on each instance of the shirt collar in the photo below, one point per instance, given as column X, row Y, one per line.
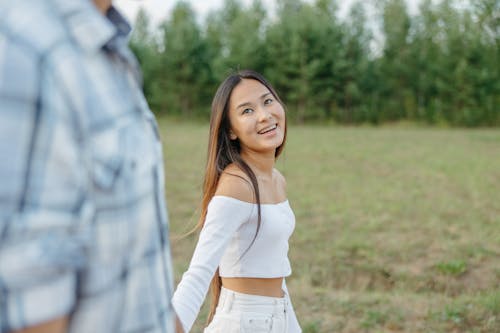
column 90, row 29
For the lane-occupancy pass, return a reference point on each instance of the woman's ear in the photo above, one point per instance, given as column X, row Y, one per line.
column 232, row 136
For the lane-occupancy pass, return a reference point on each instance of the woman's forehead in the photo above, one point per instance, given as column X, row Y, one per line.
column 247, row 91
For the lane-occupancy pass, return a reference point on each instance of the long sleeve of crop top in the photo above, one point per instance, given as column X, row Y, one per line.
column 224, row 217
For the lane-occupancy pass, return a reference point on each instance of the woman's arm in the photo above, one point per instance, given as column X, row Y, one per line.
column 224, row 217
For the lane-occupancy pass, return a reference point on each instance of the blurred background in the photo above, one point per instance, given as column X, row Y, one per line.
column 393, row 152
column 375, row 63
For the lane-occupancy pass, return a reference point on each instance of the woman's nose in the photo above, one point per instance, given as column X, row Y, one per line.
column 264, row 114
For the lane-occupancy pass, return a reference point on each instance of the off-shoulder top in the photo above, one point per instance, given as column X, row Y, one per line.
column 225, row 241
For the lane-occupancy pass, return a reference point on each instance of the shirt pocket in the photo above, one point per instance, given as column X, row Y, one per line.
column 107, row 159
column 124, row 156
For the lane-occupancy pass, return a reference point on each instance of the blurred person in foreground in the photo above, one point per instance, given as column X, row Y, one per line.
column 84, row 241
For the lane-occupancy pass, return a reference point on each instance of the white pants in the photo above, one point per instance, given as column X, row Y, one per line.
column 244, row 313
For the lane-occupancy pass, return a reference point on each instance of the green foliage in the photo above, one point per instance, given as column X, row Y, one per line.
column 311, row 327
column 185, row 68
column 492, row 302
column 441, row 66
column 454, row 267
column 373, row 318
column 454, row 313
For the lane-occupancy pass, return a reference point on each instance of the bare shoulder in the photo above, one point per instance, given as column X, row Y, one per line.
column 234, row 183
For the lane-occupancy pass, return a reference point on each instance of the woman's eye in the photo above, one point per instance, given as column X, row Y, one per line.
column 268, row 101
column 247, row 111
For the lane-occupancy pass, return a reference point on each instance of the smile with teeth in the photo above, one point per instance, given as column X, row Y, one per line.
column 268, row 129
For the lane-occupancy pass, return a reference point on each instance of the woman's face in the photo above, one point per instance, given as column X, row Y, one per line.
column 257, row 119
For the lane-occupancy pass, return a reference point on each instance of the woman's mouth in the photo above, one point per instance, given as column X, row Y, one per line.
column 268, row 129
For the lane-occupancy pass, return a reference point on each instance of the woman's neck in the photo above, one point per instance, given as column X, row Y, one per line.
column 261, row 164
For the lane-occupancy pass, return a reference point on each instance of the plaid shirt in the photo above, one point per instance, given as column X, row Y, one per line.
column 83, row 221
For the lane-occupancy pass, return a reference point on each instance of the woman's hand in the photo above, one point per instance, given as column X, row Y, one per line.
column 178, row 325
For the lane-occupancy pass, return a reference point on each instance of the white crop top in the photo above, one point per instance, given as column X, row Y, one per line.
column 228, row 231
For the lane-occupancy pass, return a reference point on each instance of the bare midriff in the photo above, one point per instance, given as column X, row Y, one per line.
column 255, row 286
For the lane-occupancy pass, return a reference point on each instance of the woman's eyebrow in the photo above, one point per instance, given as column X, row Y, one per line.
column 249, row 103
column 244, row 104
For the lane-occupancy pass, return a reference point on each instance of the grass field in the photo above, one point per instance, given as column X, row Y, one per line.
column 398, row 228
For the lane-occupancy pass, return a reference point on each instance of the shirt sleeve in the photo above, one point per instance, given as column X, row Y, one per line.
column 43, row 205
column 224, row 216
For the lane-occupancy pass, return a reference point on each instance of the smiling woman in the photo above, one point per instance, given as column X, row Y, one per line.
column 257, row 119
column 246, row 219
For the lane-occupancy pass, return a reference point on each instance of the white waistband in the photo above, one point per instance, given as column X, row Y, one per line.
column 232, row 300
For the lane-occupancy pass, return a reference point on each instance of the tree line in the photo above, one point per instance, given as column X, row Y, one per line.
column 440, row 66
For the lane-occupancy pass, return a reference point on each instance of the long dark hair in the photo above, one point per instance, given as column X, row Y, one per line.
column 223, row 151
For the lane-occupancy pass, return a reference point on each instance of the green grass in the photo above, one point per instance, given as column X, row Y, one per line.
column 454, row 267
column 398, row 229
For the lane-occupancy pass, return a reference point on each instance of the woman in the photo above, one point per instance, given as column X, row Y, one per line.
column 246, row 220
